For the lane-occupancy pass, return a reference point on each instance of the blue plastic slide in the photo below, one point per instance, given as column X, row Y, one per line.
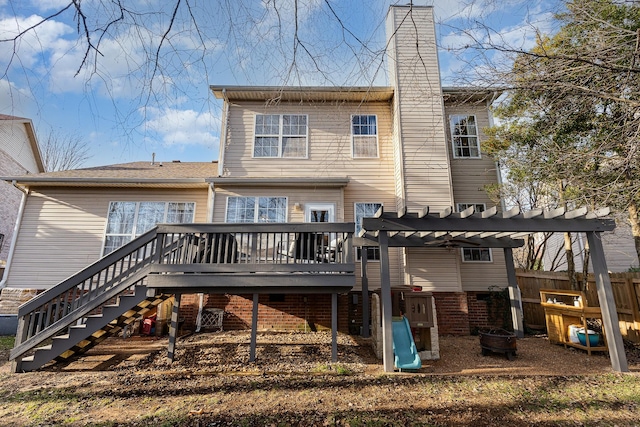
column 404, row 348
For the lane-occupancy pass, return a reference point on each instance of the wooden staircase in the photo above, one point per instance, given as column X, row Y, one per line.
column 95, row 329
column 88, row 307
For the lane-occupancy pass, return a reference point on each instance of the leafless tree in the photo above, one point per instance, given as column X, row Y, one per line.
column 64, row 151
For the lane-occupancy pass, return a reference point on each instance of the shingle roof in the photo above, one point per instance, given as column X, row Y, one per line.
column 8, row 117
column 127, row 174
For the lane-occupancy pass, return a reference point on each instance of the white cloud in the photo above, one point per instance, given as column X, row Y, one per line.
column 182, row 127
column 15, row 101
column 29, row 50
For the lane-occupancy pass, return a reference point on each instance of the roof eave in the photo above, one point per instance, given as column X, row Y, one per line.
column 281, row 182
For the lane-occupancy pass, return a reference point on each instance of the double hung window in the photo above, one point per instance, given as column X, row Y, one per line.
column 280, row 135
column 475, row 254
column 464, row 136
column 256, row 209
column 364, row 135
column 128, row 220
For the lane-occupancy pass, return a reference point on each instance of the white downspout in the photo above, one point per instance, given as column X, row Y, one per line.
column 14, row 238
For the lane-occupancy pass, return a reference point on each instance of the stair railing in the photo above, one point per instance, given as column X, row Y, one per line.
column 54, row 310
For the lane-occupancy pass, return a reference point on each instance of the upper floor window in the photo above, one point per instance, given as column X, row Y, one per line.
column 464, row 136
column 128, row 220
column 280, row 135
column 364, row 210
column 256, row 209
column 364, row 134
column 475, row 254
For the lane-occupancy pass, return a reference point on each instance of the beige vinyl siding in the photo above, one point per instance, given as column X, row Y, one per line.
column 419, row 112
column 329, row 126
column 481, row 276
column 469, row 177
column 15, row 142
column 436, row 270
column 329, row 142
column 63, row 230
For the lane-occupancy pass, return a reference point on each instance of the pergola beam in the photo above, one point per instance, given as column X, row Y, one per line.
column 517, row 224
column 494, row 231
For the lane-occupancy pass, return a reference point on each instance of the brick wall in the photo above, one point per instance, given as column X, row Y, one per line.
column 462, row 313
column 281, row 312
column 452, row 310
column 478, row 314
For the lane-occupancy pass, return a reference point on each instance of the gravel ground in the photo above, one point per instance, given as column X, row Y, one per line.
column 130, row 382
column 297, row 352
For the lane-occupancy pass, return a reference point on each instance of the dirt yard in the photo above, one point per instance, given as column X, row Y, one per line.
column 130, row 382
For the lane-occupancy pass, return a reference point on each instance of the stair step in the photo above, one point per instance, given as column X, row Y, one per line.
column 62, row 337
column 28, row 359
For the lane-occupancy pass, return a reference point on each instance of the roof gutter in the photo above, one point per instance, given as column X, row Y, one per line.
column 14, row 237
column 53, row 180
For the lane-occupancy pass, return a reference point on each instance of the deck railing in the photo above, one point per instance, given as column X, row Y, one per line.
column 320, row 248
column 199, row 245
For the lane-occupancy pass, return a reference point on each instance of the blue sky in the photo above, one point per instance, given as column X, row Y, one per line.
column 127, row 107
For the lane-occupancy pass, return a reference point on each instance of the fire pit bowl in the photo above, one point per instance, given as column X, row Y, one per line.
column 498, row 341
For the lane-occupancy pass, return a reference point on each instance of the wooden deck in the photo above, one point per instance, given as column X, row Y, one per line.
column 102, row 299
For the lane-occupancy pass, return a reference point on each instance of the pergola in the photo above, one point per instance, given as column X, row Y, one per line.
column 489, row 229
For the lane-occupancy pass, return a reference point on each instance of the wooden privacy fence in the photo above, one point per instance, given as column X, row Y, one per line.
column 626, row 291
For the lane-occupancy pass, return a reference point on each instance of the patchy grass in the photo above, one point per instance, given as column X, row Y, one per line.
column 7, row 342
column 326, row 399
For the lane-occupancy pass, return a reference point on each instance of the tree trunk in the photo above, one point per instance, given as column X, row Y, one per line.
column 571, row 264
column 585, row 267
column 635, row 226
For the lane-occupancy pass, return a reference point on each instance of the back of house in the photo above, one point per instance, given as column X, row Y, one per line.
column 296, row 155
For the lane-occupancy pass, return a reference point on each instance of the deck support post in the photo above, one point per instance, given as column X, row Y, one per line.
column 254, row 328
column 173, row 328
column 365, row 293
column 385, row 296
column 334, row 327
column 515, row 298
column 607, row 304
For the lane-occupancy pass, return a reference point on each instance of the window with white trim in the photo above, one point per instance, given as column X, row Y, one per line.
column 364, row 210
column 364, row 135
column 256, row 209
column 475, row 254
column 464, row 136
column 128, row 220
column 280, row 135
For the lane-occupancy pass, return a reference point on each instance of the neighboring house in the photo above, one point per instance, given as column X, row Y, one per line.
column 619, row 248
column 19, row 155
column 293, row 155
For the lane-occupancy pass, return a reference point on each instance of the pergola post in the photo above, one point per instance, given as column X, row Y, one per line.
column 254, row 328
column 385, row 296
column 514, row 294
column 607, row 304
column 365, row 292
column 173, row 328
column 334, row 327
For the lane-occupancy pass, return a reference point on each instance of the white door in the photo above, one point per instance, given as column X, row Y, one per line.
column 320, row 212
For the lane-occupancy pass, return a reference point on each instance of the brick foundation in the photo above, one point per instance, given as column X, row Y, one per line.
column 463, row 313
column 281, row 312
column 452, row 310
